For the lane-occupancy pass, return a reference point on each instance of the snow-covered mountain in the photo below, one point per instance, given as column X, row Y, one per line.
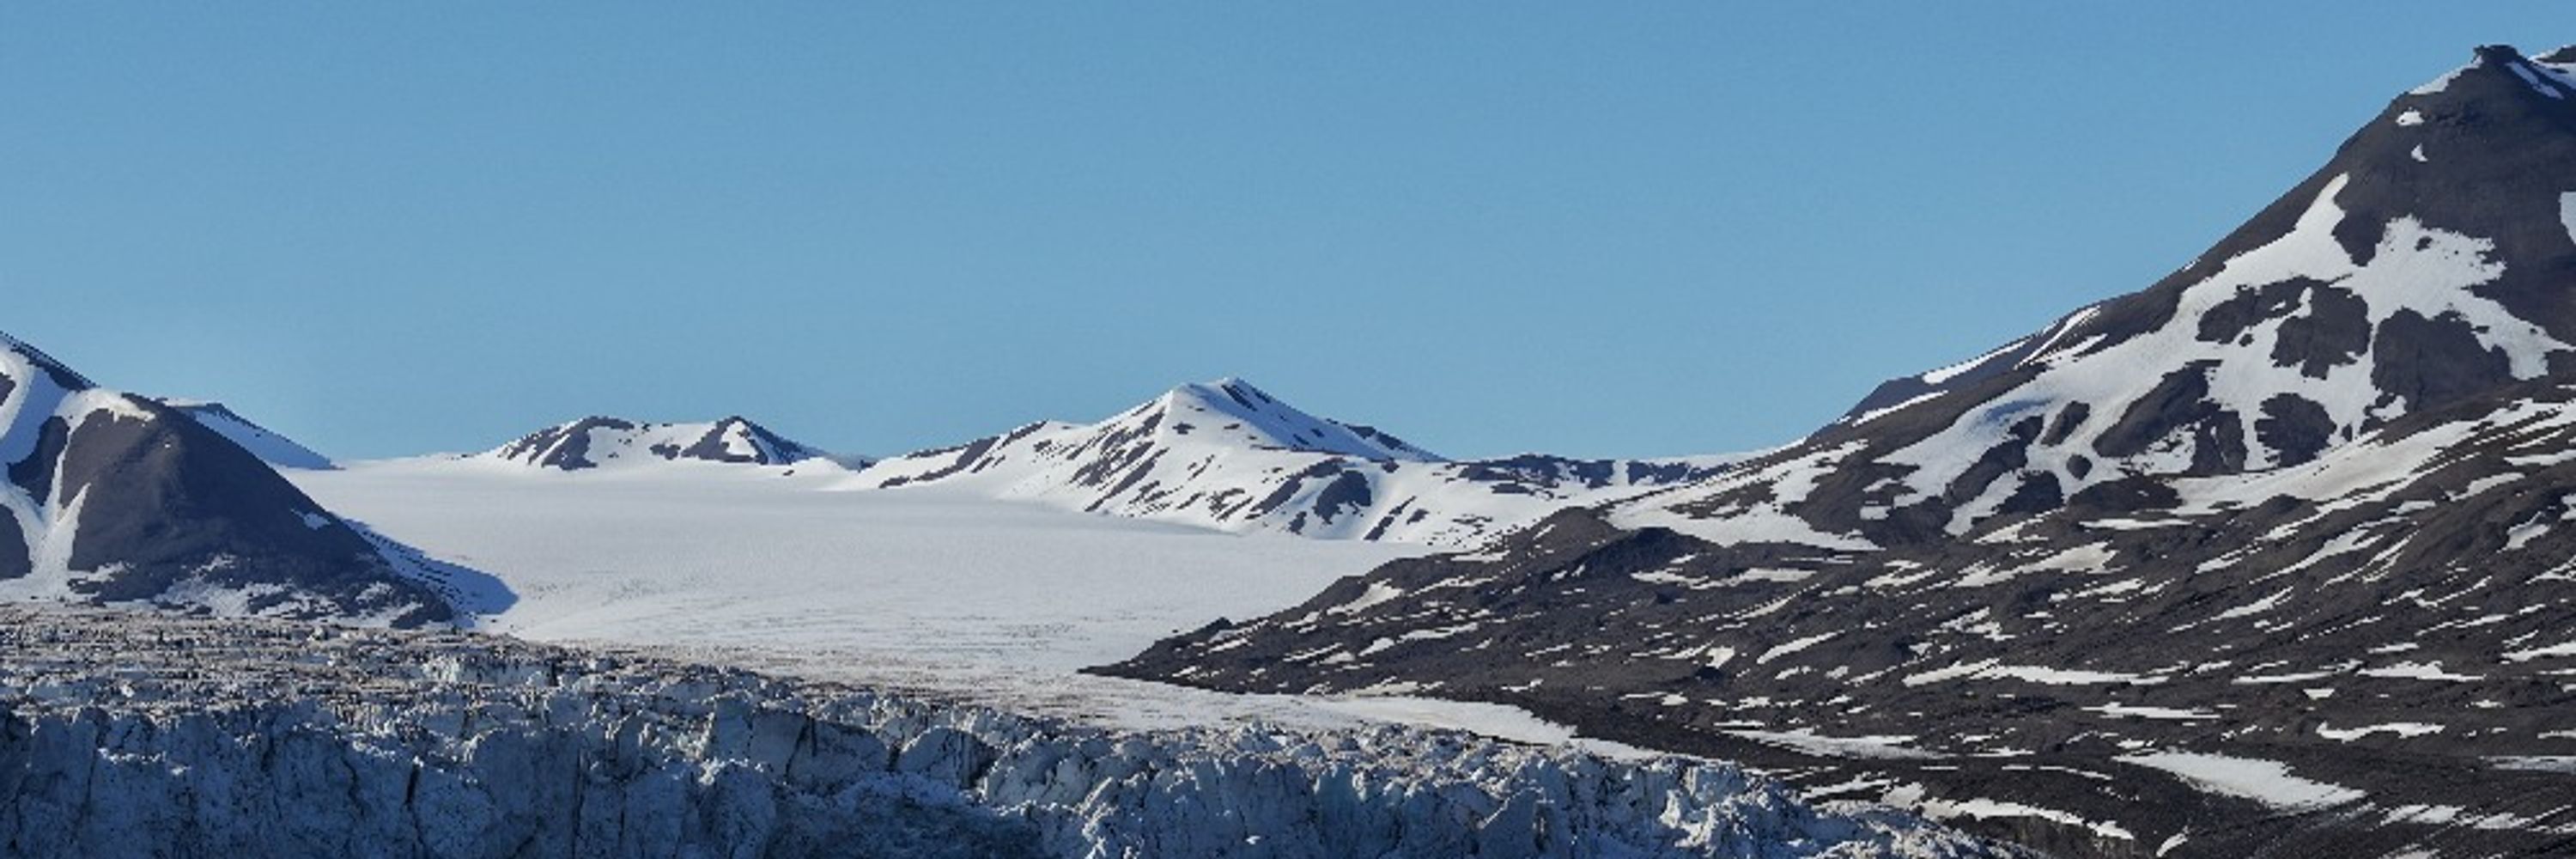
column 2427, row 264
column 114, row 498
column 2272, row 556
column 268, row 445
column 605, row 442
column 1228, row 455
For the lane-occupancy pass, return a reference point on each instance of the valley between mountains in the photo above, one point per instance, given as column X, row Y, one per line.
column 2274, row 557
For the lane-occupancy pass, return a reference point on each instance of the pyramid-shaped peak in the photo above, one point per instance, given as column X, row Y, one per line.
column 2425, row 266
column 2563, row 56
column 1239, row 412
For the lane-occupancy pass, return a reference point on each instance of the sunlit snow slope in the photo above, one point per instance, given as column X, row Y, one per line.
column 707, row 554
column 604, row 442
column 939, row 590
column 1228, row 455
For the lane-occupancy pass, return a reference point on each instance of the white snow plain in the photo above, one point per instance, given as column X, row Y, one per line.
column 728, row 555
column 929, row 590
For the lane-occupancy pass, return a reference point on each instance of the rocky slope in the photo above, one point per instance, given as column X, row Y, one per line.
column 135, row 735
column 1228, row 455
column 2428, row 264
column 2266, row 558
column 113, row 498
column 604, row 442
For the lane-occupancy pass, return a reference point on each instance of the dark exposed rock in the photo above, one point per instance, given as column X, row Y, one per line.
column 2038, row 493
column 2343, row 553
column 1997, row 462
column 2334, row 331
column 2179, row 410
column 2234, row 318
column 16, row 557
column 2069, row 419
column 2120, row 599
column 2295, row 426
column 565, row 447
column 167, row 500
column 2433, row 361
column 138, row 503
column 35, row 474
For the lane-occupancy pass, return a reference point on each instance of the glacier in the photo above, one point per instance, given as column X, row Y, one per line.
column 137, row 734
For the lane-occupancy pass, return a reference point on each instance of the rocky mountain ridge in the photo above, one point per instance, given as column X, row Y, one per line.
column 1230, row 456
column 607, row 442
column 2267, row 557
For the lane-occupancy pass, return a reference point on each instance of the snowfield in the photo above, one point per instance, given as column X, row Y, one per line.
column 934, row 590
column 734, row 556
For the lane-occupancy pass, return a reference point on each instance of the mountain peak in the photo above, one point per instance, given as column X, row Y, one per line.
column 2426, row 264
column 1235, row 409
column 599, row 441
column 2505, row 70
column 1244, row 394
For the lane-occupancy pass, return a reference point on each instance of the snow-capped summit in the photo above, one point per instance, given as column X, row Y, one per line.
column 114, row 498
column 1238, row 413
column 276, row 449
column 1230, row 456
column 597, row 442
column 2428, row 263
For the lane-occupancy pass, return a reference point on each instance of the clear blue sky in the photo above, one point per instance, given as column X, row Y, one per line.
column 1599, row 229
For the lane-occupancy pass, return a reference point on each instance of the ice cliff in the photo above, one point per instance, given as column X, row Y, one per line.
column 138, row 735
